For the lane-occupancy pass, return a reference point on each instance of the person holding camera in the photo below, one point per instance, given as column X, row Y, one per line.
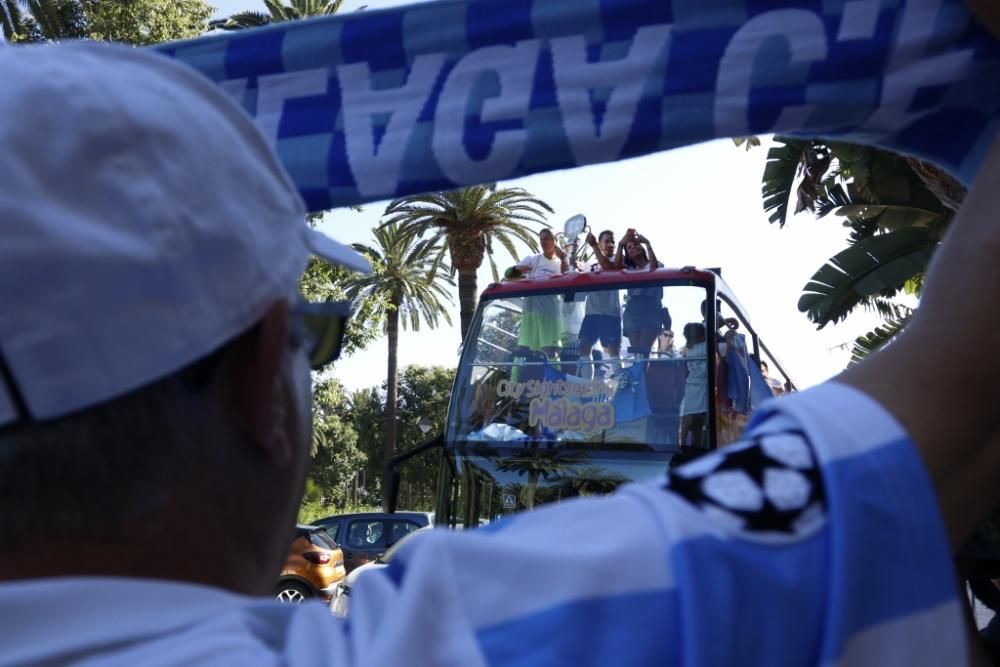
column 644, row 315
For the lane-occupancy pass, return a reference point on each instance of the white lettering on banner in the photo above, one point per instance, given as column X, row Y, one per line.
column 544, row 388
column 561, row 413
column 376, row 168
column 514, row 66
column 275, row 89
column 807, row 42
column 575, row 78
column 907, row 72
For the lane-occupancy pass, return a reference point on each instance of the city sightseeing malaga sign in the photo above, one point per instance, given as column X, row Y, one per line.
column 372, row 105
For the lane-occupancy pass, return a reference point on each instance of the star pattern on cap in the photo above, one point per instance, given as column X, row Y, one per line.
column 770, row 485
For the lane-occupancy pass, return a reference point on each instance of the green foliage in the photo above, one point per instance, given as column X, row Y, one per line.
column 892, row 209
column 468, row 223
column 747, row 142
column 879, row 337
column 367, row 414
column 470, row 220
column 780, row 170
column 876, row 266
column 142, row 22
column 315, row 510
column 40, row 20
column 322, row 281
column 336, row 457
column 424, row 392
column 278, row 11
column 405, row 279
column 138, row 22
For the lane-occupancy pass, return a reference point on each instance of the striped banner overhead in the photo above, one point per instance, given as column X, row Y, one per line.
column 372, row 105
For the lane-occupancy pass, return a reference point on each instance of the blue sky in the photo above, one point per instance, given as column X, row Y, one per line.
column 699, row 205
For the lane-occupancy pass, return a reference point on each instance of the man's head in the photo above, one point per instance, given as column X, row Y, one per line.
column 606, row 242
column 547, row 241
column 154, row 361
column 694, row 333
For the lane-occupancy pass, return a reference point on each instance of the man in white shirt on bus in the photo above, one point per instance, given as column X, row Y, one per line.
column 602, row 320
column 154, row 437
column 541, row 319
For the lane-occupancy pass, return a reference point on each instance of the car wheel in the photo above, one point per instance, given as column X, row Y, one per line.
column 291, row 592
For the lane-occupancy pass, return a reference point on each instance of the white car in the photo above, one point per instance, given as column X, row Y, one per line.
column 342, row 594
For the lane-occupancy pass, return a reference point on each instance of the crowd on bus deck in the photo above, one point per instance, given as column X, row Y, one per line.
column 644, row 320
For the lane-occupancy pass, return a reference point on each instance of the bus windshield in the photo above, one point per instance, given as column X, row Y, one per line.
column 619, row 368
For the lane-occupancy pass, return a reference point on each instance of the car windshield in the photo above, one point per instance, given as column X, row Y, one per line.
column 588, row 368
column 319, row 538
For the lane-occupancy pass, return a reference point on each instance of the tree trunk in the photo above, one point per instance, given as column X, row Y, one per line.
column 529, row 494
column 467, row 294
column 391, row 391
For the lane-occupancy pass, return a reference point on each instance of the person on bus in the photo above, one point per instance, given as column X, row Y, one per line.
column 774, row 384
column 665, row 344
column 694, row 404
column 602, row 321
column 644, row 313
column 541, row 329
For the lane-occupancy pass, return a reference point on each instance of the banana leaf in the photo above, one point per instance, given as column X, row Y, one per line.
column 878, row 265
column 782, row 165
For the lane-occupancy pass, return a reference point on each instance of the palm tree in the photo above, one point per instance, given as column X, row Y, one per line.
column 277, row 11
column 470, row 221
column 33, row 20
column 407, row 286
column 540, row 463
column 896, row 208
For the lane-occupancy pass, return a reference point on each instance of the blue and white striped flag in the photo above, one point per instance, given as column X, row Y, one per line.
column 378, row 104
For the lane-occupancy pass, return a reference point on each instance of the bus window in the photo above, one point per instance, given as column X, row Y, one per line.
column 561, row 368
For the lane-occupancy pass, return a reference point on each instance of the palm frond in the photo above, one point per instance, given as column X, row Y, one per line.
column 876, row 339
column 10, row 18
column 876, row 266
column 782, row 165
column 248, row 19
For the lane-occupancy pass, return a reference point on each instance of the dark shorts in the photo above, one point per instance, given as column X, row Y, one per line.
column 643, row 313
column 604, row 328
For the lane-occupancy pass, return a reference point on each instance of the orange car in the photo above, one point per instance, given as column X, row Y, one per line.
column 314, row 567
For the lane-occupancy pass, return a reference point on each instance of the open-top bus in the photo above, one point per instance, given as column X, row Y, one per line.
column 534, row 421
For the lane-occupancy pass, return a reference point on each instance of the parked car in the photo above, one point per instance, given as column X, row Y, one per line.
column 314, row 566
column 342, row 595
column 365, row 536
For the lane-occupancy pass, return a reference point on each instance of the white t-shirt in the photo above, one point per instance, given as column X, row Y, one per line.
column 540, row 266
column 604, row 302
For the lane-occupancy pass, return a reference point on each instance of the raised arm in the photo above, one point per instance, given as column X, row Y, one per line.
column 941, row 378
column 619, row 256
column 653, row 264
column 604, row 262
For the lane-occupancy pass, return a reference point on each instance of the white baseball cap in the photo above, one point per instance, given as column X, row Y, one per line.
column 144, row 222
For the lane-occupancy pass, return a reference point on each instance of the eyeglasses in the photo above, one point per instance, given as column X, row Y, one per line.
column 320, row 330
